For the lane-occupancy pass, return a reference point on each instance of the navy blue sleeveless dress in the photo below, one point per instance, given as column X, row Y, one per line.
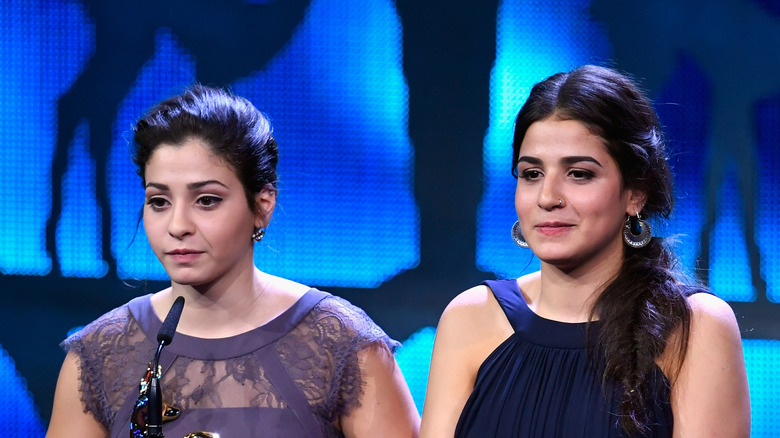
column 539, row 383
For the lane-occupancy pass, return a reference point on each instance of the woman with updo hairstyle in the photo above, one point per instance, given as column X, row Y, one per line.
column 606, row 339
column 254, row 355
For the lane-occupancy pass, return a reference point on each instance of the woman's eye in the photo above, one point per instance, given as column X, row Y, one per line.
column 531, row 174
column 209, row 201
column 581, row 174
column 157, row 203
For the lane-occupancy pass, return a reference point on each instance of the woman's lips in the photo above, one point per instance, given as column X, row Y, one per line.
column 184, row 255
column 553, row 229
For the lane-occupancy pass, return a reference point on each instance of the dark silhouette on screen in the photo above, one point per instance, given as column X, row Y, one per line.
column 737, row 46
column 228, row 39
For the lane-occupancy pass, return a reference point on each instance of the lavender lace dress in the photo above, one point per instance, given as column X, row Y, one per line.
column 292, row 377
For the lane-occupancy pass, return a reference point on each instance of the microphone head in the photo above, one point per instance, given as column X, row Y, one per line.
column 168, row 329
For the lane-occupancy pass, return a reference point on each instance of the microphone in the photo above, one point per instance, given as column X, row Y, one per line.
column 168, row 328
column 164, row 337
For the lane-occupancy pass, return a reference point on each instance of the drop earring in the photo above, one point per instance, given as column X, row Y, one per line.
column 636, row 232
column 258, row 234
column 517, row 236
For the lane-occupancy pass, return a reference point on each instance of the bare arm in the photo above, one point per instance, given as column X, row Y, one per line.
column 710, row 396
column 68, row 418
column 471, row 327
column 386, row 407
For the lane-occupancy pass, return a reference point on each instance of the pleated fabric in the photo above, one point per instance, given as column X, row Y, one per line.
column 541, row 383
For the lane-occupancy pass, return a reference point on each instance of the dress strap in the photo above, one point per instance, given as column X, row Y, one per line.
column 511, row 300
column 275, row 371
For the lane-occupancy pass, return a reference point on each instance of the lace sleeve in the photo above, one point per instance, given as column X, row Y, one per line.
column 355, row 331
column 110, row 352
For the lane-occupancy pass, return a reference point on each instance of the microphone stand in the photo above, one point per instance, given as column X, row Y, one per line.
column 164, row 337
column 154, row 422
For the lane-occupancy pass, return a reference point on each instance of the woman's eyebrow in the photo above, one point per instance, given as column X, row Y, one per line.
column 530, row 160
column 565, row 160
column 199, row 184
column 578, row 159
column 158, row 186
column 190, row 186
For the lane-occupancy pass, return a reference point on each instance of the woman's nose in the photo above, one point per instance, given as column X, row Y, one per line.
column 180, row 223
column 549, row 195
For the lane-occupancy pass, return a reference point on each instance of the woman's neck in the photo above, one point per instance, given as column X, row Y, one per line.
column 228, row 308
column 231, row 294
column 569, row 295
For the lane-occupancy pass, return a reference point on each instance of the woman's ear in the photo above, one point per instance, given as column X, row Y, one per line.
column 636, row 202
column 265, row 201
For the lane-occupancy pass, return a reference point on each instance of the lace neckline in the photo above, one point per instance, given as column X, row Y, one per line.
column 225, row 348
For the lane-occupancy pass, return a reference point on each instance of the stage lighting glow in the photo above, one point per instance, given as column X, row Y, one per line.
column 346, row 213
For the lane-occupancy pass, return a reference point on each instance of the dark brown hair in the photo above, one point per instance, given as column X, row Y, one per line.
column 645, row 303
column 230, row 125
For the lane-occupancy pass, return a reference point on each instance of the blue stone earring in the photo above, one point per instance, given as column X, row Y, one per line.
column 636, row 232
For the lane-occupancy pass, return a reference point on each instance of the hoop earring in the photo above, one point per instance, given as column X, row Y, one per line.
column 517, row 236
column 258, row 234
column 636, row 232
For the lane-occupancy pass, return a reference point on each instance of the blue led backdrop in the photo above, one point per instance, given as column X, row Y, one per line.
column 394, row 120
column 710, row 109
column 350, row 150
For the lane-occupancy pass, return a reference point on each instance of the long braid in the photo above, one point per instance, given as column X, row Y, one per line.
column 644, row 305
column 639, row 311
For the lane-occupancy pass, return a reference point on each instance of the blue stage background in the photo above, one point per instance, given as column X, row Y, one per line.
column 394, row 120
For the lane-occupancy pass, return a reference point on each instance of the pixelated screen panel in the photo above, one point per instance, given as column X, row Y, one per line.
column 35, row 68
column 768, row 229
column 79, row 233
column 346, row 204
column 20, row 415
column 414, row 359
column 761, row 359
column 335, row 93
column 684, row 107
column 537, row 39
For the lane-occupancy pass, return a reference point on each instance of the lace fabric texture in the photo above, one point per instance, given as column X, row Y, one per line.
column 320, row 354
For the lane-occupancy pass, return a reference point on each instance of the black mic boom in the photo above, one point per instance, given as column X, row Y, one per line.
column 168, row 328
column 164, row 337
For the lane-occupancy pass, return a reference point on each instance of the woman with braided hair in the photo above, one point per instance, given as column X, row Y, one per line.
column 606, row 340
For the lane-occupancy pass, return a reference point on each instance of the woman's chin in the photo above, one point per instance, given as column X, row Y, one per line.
column 554, row 255
column 564, row 261
column 188, row 280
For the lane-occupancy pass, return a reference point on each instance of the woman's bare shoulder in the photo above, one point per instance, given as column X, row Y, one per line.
column 474, row 318
column 472, row 306
column 712, row 309
column 710, row 396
